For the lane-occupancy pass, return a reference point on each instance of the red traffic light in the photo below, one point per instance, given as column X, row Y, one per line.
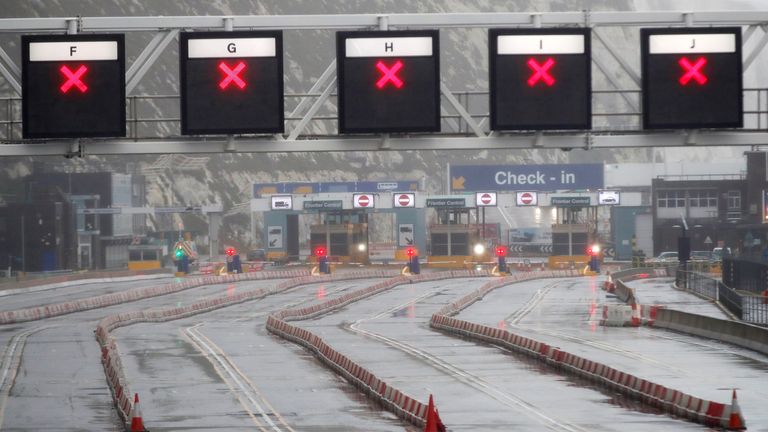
column 410, row 251
column 593, row 250
column 320, row 251
column 501, row 251
column 231, row 251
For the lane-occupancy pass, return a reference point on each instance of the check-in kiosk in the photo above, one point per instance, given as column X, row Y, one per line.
column 452, row 238
column 344, row 233
column 574, row 232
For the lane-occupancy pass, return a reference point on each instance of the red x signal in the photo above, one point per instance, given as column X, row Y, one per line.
column 232, row 75
column 540, row 72
column 389, row 74
column 692, row 71
column 73, row 79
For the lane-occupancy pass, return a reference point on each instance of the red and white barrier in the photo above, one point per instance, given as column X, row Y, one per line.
column 49, row 311
column 113, row 368
column 402, row 405
column 706, row 412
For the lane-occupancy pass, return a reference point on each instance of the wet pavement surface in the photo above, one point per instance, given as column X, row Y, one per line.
column 223, row 371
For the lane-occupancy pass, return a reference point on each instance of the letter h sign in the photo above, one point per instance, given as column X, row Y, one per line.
column 389, row 81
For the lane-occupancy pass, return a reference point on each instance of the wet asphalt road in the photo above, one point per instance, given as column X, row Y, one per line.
column 223, row 371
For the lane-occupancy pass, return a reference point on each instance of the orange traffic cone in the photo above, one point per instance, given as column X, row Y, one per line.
column 736, row 422
column 434, row 424
column 137, row 424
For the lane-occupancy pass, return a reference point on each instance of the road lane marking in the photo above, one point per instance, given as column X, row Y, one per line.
column 234, row 375
column 11, row 362
column 478, row 383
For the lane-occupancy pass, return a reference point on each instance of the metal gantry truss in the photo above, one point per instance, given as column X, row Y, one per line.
column 463, row 129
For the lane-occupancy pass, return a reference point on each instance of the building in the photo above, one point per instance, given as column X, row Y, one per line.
column 54, row 202
column 719, row 210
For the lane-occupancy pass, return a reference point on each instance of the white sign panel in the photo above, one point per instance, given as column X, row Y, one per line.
column 404, row 200
column 485, row 199
column 692, row 43
column 282, row 202
column 275, row 237
column 75, row 50
column 389, row 47
column 527, row 199
column 608, row 197
column 363, row 201
column 405, row 235
column 540, row 44
column 235, row 47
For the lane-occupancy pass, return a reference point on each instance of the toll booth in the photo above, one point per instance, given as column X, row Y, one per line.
column 344, row 233
column 573, row 233
column 146, row 256
column 452, row 239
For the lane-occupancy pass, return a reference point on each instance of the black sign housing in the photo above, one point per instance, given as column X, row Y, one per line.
column 521, row 98
column 78, row 98
column 672, row 96
column 407, row 98
column 219, row 96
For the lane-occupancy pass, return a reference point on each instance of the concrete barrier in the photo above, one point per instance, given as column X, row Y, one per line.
column 709, row 413
column 392, row 399
column 56, row 309
column 733, row 332
column 113, row 368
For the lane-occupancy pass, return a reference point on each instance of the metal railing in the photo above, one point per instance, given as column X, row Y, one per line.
column 742, row 301
column 158, row 116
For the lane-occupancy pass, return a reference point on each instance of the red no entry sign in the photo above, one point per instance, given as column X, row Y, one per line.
column 486, row 198
column 526, row 198
column 404, row 200
column 362, row 201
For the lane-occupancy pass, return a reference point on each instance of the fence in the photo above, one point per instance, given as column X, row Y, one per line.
column 741, row 291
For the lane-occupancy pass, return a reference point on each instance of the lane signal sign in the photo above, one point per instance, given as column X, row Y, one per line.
column 541, row 72
column 692, row 71
column 73, row 78
column 692, row 78
column 389, row 74
column 73, row 86
column 231, row 82
column 531, row 73
column 388, row 81
column 232, row 75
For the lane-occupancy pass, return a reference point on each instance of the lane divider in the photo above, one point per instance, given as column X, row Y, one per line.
column 110, row 356
column 392, row 399
column 56, row 309
column 672, row 401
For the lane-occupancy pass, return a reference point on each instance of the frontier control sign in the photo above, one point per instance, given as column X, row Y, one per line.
column 535, row 178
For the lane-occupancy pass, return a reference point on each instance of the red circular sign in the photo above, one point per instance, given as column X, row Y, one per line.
column 526, row 198
column 363, row 200
column 404, row 200
column 485, row 198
